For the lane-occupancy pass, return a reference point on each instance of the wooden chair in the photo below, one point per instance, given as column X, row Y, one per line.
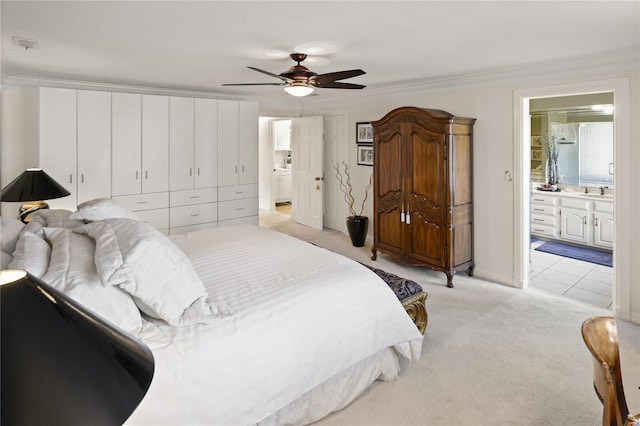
column 600, row 334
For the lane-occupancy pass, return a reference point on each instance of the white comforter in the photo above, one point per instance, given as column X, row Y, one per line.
column 301, row 314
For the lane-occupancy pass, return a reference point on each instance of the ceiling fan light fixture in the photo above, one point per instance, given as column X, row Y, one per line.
column 299, row 90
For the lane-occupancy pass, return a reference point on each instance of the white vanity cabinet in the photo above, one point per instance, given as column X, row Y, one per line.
column 575, row 225
column 544, row 215
column 573, row 218
column 603, row 224
column 75, row 142
column 283, row 186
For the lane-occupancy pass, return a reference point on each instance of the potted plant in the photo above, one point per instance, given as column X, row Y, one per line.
column 357, row 224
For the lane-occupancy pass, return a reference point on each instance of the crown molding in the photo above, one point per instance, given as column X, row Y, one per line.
column 622, row 59
column 617, row 60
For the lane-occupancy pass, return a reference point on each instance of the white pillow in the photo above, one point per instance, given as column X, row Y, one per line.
column 10, row 229
column 146, row 264
column 102, row 208
column 72, row 270
column 55, row 218
column 32, row 254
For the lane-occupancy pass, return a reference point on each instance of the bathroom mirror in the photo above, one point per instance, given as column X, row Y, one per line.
column 282, row 135
column 582, row 127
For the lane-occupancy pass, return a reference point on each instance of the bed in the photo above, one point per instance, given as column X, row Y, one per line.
column 281, row 331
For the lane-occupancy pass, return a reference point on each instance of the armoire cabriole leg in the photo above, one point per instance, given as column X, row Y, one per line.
column 450, row 275
column 375, row 253
column 470, row 270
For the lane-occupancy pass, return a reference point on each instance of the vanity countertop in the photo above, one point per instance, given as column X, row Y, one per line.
column 574, row 194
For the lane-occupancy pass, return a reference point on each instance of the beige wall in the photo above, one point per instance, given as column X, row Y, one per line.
column 495, row 198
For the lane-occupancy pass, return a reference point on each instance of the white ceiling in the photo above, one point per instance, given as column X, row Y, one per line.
column 198, row 46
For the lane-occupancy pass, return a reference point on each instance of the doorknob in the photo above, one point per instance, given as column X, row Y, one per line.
column 319, row 178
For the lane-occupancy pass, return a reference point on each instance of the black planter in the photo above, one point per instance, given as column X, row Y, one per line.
column 357, row 227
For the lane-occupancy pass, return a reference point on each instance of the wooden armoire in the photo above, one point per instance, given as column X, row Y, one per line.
column 423, row 192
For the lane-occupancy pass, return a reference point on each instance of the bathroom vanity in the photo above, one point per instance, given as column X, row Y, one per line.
column 574, row 217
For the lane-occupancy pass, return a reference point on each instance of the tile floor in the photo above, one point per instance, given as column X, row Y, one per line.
column 583, row 281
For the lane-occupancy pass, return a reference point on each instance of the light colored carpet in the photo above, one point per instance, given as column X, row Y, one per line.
column 492, row 355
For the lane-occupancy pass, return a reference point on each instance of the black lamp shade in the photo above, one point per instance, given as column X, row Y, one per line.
column 33, row 185
column 63, row 365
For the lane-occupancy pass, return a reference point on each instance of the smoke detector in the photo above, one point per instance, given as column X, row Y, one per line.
column 26, row 43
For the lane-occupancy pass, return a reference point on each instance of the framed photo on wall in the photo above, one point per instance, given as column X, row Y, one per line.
column 364, row 133
column 365, row 155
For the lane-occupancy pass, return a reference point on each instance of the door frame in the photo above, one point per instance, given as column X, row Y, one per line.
column 622, row 261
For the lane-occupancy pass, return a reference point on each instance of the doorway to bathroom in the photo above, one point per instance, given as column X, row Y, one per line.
column 571, row 202
column 621, row 281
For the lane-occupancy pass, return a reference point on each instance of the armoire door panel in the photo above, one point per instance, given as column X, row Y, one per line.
column 427, row 166
column 390, row 231
column 426, row 242
column 389, row 175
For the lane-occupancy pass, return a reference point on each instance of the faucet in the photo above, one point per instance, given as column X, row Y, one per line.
column 602, row 188
column 586, row 189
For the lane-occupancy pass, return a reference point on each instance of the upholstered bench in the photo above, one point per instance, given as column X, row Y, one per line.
column 410, row 294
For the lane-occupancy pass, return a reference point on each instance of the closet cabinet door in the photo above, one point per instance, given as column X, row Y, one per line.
column 57, row 140
column 248, row 142
column 155, row 143
column 126, row 143
column 181, row 149
column 94, row 145
column 227, row 143
column 206, row 143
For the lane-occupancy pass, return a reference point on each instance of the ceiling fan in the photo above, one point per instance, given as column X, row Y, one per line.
column 301, row 81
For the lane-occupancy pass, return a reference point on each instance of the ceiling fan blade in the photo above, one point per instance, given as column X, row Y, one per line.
column 338, row 85
column 254, row 84
column 288, row 80
column 333, row 76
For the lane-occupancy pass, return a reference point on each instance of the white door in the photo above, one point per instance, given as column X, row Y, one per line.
column 155, row 143
column 126, row 143
column 94, row 145
column 58, row 110
column 248, row 142
column 307, row 179
column 227, row 143
column 206, row 143
column 181, row 148
column 574, row 225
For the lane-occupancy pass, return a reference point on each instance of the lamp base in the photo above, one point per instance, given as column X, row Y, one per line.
column 29, row 207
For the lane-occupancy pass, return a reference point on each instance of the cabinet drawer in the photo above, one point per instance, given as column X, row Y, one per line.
column 546, row 230
column 575, row 203
column 137, row 202
column 237, row 208
column 183, row 229
column 545, row 199
column 193, row 196
column 158, row 218
column 541, row 219
column 193, row 215
column 237, row 192
column 603, row 206
column 542, row 209
column 250, row 220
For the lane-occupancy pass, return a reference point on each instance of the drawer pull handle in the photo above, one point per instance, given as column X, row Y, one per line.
column 195, row 214
column 539, row 220
column 195, row 196
column 239, row 192
column 240, row 208
column 141, row 202
column 539, row 210
column 538, row 199
column 539, row 230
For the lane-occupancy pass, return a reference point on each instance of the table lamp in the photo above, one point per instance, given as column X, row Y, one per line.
column 32, row 186
column 62, row 364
